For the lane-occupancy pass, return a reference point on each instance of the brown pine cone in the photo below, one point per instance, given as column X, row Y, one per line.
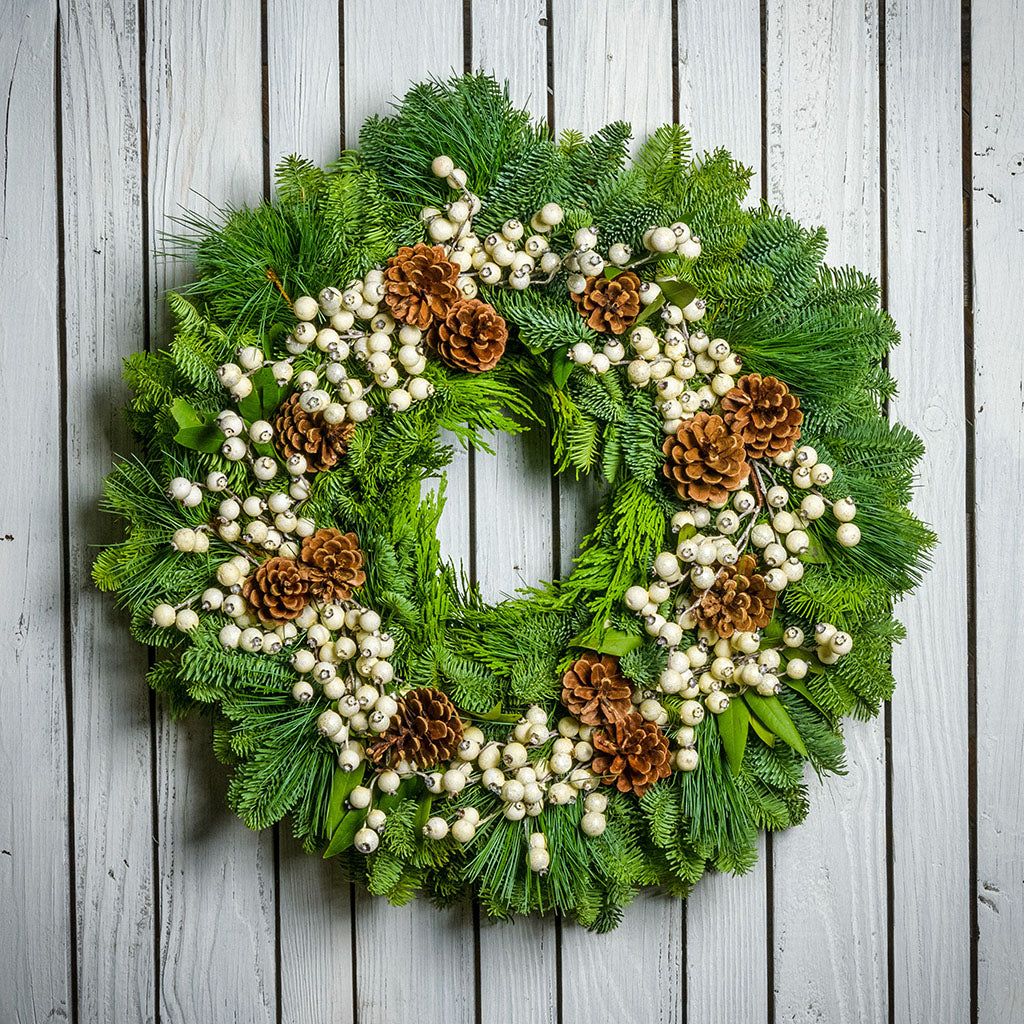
column 738, row 600
column 332, row 564
column 471, row 337
column 595, row 690
column 277, row 591
column 705, row 460
column 610, row 304
column 424, row 730
column 764, row 412
column 306, row 433
column 633, row 754
column 419, row 284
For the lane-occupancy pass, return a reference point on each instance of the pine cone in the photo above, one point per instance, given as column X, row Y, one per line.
column 739, row 600
column 471, row 337
column 277, row 591
column 424, row 730
column 632, row 753
column 419, row 284
column 764, row 412
column 332, row 564
column 610, row 304
column 306, row 433
column 595, row 690
column 705, row 460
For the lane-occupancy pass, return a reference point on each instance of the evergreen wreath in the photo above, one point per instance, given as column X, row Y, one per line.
column 629, row 725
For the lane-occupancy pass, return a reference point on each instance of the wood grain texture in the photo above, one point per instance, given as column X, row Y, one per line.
column 611, row 65
column 315, row 906
column 303, row 80
column 925, row 274
column 35, row 895
column 514, row 528
column 823, row 167
column 104, row 264
column 217, row 949
column 719, row 109
column 720, row 104
column 997, row 167
column 413, row 959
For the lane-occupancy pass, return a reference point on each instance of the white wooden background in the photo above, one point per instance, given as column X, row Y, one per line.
column 128, row 893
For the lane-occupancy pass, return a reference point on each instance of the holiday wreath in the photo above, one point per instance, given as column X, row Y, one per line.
column 628, row 725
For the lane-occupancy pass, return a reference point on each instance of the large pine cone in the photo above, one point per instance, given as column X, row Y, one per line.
column 595, row 690
column 419, row 284
column 332, row 564
column 764, row 412
column 471, row 337
column 610, row 304
column 705, row 460
column 425, row 730
column 306, row 433
column 632, row 754
column 739, row 600
column 277, row 591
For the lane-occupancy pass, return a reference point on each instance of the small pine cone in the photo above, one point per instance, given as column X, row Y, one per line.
column 738, row 600
column 298, row 432
column 632, row 754
column 765, row 413
column 424, row 730
column 277, row 591
column 595, row 690
column 610, row 304
column 419, row 284
column 332, row 564
column 471, row 337
column 705, row 460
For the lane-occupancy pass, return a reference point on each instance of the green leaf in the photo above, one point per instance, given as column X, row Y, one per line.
column 613, row 641
column 271, row 393
column 250, row 408
column 184, row 415
column 346, row 832
column 815, row 553
column 650, row 309
column 423, row 812
column 341, row 785
column 497, row 714
column 733, row 724
column 561, row 367
column 770, row 711
column 611, row 272
column 678, row 293
column 804, row 690
column 205, row 438
column 766, row 735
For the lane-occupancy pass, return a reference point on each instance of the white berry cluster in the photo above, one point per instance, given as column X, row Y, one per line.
column 522, row 778
column 502, row 257
column 351, row 333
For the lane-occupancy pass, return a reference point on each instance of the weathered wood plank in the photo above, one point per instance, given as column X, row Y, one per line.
column 723, row 108
column 217, row 949
column 35, row 896
column 314, row 900
column 931, row 943
column 997, row 159
column 110, row 714
column 303, row 80
column 414, row 959
column 514, row 529
column 830, row 873
column 611, row 64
